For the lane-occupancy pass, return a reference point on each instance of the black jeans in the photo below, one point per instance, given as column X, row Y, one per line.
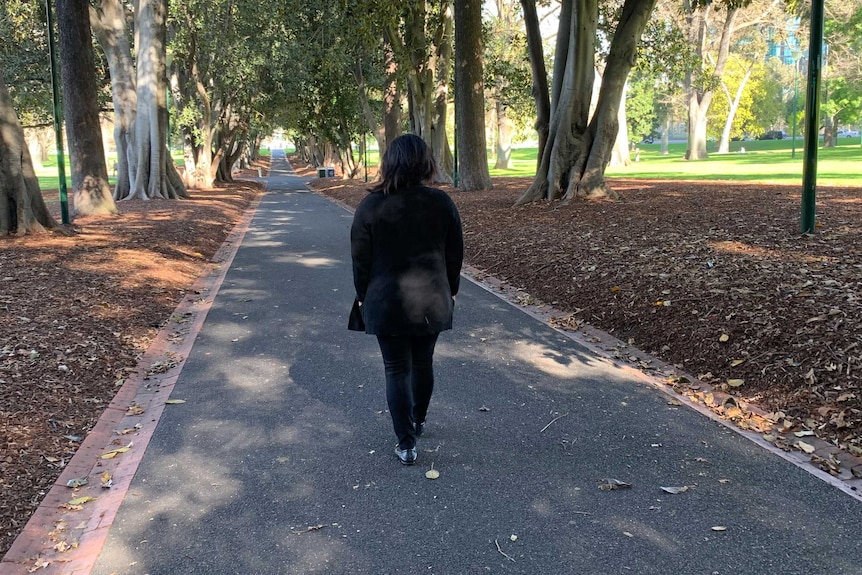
column 408, row 361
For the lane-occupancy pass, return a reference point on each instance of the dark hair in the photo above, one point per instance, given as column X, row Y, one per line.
column 407, row 162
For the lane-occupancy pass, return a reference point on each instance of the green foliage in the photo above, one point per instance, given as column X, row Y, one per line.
column 25, row 60
column 315, row 67
column 745, row 121
column 508, row 77
column 768, row 102
column 641, row 113
column 842, row 76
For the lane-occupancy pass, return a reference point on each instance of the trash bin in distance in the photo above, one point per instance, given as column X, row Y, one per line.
column 321, row 172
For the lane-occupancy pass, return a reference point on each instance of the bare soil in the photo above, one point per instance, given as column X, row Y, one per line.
column 711, row 277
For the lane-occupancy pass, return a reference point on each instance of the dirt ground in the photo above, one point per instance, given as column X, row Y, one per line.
column 711, row 277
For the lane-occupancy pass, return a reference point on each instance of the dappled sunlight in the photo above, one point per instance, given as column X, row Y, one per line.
column 755, row 252
column 552, row 362
column 317, row 424
column 317, row 555
column 199, row 484
column 641, row 530
column 263, row 381
column 309, row 262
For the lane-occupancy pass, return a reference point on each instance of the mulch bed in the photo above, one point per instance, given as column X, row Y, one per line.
column 76, row 312
column 711, row 277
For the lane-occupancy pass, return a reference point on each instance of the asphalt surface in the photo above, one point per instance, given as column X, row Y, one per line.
column 281, row 460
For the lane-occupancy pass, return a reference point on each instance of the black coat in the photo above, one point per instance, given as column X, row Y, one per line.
column 407, row 249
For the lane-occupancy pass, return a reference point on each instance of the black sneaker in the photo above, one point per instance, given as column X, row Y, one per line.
column 406, row 456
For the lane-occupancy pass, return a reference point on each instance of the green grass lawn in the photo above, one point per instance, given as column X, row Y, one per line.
column 767, row 161
column 49, row 178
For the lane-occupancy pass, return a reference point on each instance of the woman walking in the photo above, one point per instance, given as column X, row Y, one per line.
column 407, row 247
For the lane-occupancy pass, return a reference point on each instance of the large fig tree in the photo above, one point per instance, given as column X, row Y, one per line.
column 580, row 143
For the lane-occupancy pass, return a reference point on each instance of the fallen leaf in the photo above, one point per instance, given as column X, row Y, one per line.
column 719, row 528
column 611, row 484
column 723, row 338
column 81, row 500
column 107, row 479
column 736, row 362
column 175, row 401
column 513, row 538
column 735, row 382
column 135, row 409
column 675, row 490
column 806, row 447
column 309, row 529
column 115, row 452
column 804, row 433
column 77, row 482
column 483, row 408
column 432, row 474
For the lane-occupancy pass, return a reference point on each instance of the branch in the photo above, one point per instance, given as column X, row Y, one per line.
column 502, row 553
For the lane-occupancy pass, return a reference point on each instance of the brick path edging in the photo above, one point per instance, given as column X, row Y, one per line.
column 64, row 539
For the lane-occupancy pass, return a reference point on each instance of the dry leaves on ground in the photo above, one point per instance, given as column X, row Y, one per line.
column 76, row 312
column 711, row 277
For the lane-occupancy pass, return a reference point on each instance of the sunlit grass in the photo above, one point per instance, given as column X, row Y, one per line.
column 763, row 161
column 770, row 161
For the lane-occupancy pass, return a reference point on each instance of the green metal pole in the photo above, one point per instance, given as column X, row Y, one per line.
column 58, row 126
column 812, row 118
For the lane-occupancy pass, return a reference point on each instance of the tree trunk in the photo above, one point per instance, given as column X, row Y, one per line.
column 470, row 98
column 700, row 92
column 429, row 71
column 34, row 147
column 579, row 148
column 375, row 127
column 504, row 137
column 620, row 154
column 665, row 135
column 22, row 208
column 732, row 107
column 420, row 82
column 391, row 97
column 443, row 67
column 91, row 193
column 539, row 72
column 108, row 20
column 156, row 176
column 829, row 138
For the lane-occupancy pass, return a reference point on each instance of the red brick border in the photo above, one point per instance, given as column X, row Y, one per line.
column 67, row 539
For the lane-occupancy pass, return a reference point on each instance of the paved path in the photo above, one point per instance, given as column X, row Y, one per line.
column 281, row 462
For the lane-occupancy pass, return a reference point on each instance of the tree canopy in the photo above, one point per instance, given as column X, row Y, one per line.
column 329, row 72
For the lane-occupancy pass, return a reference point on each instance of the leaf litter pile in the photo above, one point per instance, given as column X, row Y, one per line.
column 713, row 278
column 77, row 311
